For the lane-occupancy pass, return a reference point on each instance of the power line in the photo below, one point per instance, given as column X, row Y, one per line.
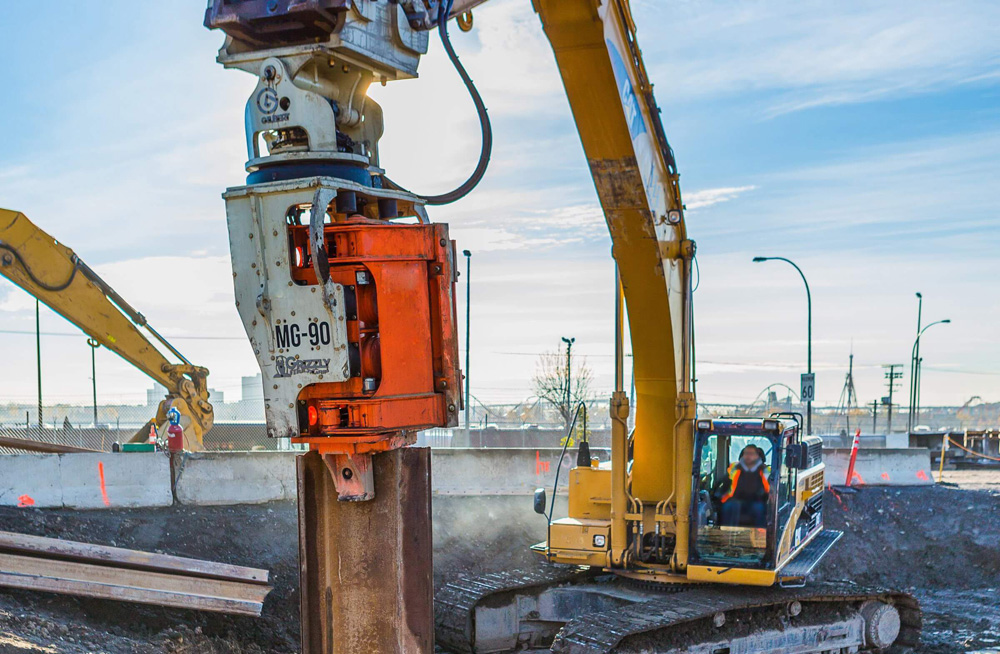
column 178, row 338
column 962, row 371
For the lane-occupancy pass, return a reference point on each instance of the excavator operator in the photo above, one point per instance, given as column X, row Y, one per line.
column 745, row 504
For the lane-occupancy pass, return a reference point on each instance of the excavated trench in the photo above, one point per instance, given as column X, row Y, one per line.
column 941, row 543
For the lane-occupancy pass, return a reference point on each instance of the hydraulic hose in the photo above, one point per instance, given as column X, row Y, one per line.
column 555, row 484
column 31, row 275
column 484, row 120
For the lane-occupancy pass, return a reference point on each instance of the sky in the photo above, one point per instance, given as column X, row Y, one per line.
column 860, row 139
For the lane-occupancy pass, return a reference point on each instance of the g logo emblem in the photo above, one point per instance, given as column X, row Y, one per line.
column 267, row 101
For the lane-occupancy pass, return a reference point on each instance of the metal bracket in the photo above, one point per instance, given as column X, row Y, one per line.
column 352, row 476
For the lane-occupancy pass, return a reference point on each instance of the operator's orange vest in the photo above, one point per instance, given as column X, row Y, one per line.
column 734, row 478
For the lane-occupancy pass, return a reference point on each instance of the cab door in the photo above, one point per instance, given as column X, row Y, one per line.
column 787, row 485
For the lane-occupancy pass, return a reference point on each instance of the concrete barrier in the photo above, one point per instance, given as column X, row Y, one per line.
column 30, row 480
column 207, row 478
column 507, row 471
column 218, row 478
column 91, row 481
column 85, row 481
column 880, row 467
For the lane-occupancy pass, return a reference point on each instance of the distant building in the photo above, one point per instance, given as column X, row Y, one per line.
column 155, row 394
column 253, row 388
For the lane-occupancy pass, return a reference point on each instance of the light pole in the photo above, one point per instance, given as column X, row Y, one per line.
column 468, row 332
column 38, row 359
column 914, row 366
column 915, row 392
column 94, row 344
column 809, row 337
column 569, row 386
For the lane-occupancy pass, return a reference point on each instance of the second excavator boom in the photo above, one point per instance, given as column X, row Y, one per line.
column 59, row 278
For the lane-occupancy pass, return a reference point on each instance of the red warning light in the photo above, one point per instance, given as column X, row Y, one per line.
column 313, row 416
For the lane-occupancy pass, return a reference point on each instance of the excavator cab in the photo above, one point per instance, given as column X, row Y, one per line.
column 765, row 532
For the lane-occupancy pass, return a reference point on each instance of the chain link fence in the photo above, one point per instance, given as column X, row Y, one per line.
column 239, row 426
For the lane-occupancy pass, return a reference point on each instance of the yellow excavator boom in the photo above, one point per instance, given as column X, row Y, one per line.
column 54, row 274
column 636, row 178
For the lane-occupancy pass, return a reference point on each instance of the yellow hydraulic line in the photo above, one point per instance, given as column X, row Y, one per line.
column 944, row 446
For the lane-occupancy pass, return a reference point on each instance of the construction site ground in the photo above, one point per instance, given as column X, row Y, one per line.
column 942, row 543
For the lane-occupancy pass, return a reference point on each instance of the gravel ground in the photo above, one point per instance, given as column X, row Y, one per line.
column 941, row 543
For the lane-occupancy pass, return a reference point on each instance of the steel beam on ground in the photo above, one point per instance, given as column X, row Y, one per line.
column 89, row 580
column 365, row 567
column 41, row 447
column 124, row 558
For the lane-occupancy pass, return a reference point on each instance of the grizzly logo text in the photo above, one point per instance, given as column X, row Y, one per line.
column 287, row 366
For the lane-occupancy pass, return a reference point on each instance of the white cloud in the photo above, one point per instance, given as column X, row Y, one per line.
column 708, row 197
column 813, row 53
column 14, row 299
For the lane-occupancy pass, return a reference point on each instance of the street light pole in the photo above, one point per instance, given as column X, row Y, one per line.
column 94, row 344
column 809, row 341
column 569, row 386
column 913, row 367
column 915, row 392
column 468, row 333
column 38, row 359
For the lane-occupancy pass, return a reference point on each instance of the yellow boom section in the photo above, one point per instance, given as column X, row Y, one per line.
column 51, row 272
column 637, row 183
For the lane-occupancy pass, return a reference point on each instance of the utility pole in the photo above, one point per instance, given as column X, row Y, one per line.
column 94, row 344
column 38, row 358
column 468, row 334
column 848, row 396
column 893, row 372
column 874, row 416
column 569, row 377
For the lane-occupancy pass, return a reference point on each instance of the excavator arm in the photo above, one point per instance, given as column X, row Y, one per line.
column 636, row 178
column 54, row 274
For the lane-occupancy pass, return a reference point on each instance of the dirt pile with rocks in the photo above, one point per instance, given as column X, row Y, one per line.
column 941, row 543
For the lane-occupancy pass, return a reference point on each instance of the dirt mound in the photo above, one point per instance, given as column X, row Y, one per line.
column 920, row 537
column 942, row 544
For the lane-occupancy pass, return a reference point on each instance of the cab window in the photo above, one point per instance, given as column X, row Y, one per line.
column 731, row 528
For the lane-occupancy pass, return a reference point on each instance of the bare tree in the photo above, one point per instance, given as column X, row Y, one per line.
column 550, row 382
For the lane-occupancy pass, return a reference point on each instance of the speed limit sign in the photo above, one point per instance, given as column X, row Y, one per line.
column 808, row 392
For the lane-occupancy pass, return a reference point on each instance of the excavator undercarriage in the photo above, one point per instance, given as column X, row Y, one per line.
column 570, row 610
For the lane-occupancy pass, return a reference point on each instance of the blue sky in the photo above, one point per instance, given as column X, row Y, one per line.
column 859, row 139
